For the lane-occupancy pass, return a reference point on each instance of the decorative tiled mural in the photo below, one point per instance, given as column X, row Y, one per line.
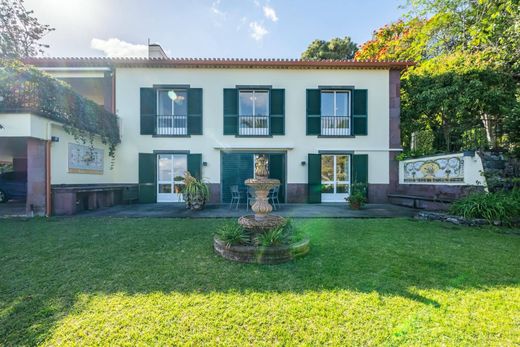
column 447, row 169
column 85, row 160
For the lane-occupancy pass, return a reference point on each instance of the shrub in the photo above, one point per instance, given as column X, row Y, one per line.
column 358, row 195
column 499, row 206
column 272, row 237
column 231, row 234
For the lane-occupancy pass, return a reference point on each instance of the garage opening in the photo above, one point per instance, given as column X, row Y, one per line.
column 13, row 176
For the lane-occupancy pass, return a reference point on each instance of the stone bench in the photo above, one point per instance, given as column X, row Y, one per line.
column 71, row 199
column 416, row 199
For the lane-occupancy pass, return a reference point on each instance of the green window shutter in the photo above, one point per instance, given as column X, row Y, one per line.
column 195, row 165
column 230, row 112
column 313, row 112
column 195, row 111
column 147, row 178
column 148, row 111
column 360, row 168
column 277, row 170
column 360, row 111
column 277, row 111
column 314, row 178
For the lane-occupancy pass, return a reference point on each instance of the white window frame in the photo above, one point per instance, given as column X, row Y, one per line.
column 170, row 197
column 335, row 196
column 163, row 118
column 334, row 129
column 253, row 129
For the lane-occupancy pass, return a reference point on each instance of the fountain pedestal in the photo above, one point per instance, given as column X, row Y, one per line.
column 262, row 221
column 261, row 186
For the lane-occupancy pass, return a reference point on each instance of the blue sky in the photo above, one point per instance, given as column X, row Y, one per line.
column 207, row 28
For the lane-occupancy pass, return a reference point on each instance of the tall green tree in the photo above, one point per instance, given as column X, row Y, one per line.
column 20, row 31
column 466, row 81
column 336, row 48
column 488, row 27
column 456, row 96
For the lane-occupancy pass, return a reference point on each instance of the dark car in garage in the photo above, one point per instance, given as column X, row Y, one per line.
column 13, row 185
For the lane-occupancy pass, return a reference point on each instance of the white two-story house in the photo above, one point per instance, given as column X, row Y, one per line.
column 324, row 125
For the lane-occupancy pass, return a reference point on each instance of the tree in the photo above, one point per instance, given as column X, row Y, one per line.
column 336, row 48
column 457, row 95
column 467, row 73
column 488, row 27
column 20, row 31
column 401, row 40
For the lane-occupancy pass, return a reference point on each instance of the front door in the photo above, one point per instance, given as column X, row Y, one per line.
column 335, row 177
column 170, row 177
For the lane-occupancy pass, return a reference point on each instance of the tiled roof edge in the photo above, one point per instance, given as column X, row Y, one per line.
column 214, row 63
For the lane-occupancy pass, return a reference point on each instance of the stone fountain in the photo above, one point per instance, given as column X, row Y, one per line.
column 261, row 222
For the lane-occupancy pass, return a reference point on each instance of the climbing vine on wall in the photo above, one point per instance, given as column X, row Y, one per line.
column 23, row 88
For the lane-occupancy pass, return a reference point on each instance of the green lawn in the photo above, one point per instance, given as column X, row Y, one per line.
column 135, row 282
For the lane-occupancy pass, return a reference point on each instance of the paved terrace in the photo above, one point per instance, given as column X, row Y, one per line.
column 325, row 210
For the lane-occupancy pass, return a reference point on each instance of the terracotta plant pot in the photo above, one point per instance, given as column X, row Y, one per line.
column 355, row 205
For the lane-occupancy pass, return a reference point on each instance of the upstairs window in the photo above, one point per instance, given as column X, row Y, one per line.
column 172, row 112
column 335, row 113
column 253, row 108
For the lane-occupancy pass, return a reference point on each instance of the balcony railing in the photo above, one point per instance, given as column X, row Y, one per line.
column 253, row 125
column 169, row 125
column 335, row 126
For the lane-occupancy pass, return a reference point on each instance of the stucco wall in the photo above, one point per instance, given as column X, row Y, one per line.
column 59, row 163
column 213, row 81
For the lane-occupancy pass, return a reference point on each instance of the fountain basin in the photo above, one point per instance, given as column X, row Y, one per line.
column 262, row 255
column 254, row 225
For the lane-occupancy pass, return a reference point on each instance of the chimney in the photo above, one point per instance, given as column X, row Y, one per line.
column 155, row 51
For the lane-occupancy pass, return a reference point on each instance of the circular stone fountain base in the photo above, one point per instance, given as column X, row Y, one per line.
column 251, row 224
column 262, row 255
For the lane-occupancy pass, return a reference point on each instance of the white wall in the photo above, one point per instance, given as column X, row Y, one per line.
column 60, row 166
column 213, row 81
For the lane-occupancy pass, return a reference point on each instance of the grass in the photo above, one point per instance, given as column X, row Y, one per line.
column 92, row 281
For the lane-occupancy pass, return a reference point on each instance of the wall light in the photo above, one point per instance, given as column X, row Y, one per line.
column 204, row 163
column 55, row 139
column 303, row 163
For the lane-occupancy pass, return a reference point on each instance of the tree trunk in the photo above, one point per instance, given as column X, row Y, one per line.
column 446, row 133
column 489, row 126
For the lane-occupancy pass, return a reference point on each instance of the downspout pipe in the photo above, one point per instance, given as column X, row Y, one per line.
column 48, row 190
column 48, row 209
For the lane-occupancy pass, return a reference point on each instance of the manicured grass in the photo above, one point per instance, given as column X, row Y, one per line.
column 91, row 281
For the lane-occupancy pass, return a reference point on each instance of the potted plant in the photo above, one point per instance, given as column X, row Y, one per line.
column 196, row 192
column 357, row 197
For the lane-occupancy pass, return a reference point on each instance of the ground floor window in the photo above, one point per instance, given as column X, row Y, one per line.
column 335, row 177
column 170, row 176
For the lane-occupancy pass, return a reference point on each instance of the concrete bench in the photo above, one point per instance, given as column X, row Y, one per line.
column 71, row 199
column 417, row 198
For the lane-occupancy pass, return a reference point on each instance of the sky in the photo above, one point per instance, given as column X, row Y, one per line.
column 206, row 28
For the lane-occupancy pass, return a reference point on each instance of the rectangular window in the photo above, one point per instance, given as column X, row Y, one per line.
column 172, row 112
column 253, row 108
column 335, row 112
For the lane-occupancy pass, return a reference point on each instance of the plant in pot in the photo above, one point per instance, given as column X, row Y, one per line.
column 196, row 192
column 357, row 197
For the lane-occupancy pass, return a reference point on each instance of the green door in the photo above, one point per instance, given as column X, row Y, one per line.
column 235, row 169
column 238, row 167
column 277, row 170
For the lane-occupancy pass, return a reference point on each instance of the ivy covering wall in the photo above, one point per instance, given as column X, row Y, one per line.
column 25, row 89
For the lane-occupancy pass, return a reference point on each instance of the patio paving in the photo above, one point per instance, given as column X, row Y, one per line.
column 12, row 209
column 325, row 210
